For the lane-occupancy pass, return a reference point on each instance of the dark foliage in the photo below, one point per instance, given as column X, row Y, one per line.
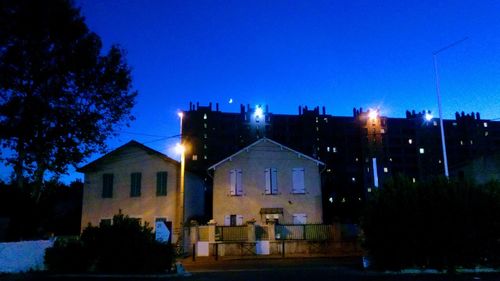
column 60, row 97
column 57, row 213
column 439, row 224
column 67, row 256
column 126, row 246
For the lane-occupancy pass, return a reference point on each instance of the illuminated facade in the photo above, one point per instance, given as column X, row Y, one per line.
column 359, row 151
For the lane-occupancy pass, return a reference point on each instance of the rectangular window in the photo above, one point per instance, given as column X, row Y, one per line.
column 271, row 176
column 107, row 185
column 135, row 184
column 161, row 183
column 299, row 218
column 236, row 187
column 298, row 185
column 233, row 220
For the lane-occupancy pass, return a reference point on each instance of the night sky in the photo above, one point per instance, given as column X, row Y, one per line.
column 340, row 54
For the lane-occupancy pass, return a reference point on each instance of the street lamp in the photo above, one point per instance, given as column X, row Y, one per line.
column 181, row 149
column 443, row 142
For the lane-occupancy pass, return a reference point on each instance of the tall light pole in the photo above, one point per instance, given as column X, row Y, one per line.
column 443, row 141
column 181, row 148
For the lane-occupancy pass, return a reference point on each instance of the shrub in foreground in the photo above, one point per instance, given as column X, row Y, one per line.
column 125, row 246
column 437, row 224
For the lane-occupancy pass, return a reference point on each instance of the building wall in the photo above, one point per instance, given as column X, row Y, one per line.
column 148, row 206
column 253, row 164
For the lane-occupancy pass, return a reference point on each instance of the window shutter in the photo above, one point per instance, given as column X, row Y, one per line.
column 232, row 183
column 274, row 181
column 267, row 175
column 239, row 220
column 239, row 187
column 161, row 183
column 298, row 180
column 227, row 220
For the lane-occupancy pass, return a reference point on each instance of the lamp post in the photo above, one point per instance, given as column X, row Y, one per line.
column 443, row 141
column 181, row 149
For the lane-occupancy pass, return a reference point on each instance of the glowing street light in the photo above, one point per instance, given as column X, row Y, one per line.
column 372, row 114
column 258, row 112
column 180, row 149
column 428, row 116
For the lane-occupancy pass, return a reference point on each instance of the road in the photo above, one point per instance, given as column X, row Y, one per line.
column 269, row 269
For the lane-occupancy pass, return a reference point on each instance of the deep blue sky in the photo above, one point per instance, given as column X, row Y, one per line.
column 340, row 54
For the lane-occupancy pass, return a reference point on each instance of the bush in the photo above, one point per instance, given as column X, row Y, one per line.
column 67, row 256
column 439, row 224
column 125, row 246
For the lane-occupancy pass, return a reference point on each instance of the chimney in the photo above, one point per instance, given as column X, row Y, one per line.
column 324, row 110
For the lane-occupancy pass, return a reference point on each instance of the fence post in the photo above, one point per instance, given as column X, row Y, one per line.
column 271, row 231
column 251, row 232
column 283, row 248
column 211, row 233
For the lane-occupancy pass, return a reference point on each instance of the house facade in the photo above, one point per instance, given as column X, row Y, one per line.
column 141, row 182
column 267, row 181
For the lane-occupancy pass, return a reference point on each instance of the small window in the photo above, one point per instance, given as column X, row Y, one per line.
column 271, row 180
column 233, row 220
column 299, row 218
column 107, row 186
column 236, row 188
column 205, row 157
column 298, row 185
column 205, row 125
column 382, row 131
column 205, row 116
column 334, row 149
column 353, row 179
column 135, row 184
column 421, row 150
column 485, row 124
column 161, row 183
column 414, row 180
column 195, row 157
column 410, row 141
column 486, row 134
column 386, row 170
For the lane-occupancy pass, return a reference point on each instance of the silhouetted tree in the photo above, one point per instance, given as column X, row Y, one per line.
column 60, row 97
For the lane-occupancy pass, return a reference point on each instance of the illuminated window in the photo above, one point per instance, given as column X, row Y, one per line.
column 328, row 149
column 357, row 159
column 414, row 180
column 454, row 123
column 410, row 141
column 334, row 149
column 386, row 170
column 435, row 123
column 135, row 184
column 204, row 146
column 343, row 200
column 421, row 150
column 390, row 159
column 317, row 129
column 161, row 183
column 369, row 189
column 471, row 142
column 317, row 120
column 205, row 136
column 461, row 142
column 353, row 179
column 205, row 157
column 486, row 133
column 485, row 124
column 326, row 120
column 299, row 218
column 205, row 125
column 382, row 131
column 107, row 185
column 195, row 157
column 328, row 170
column 439, row 161
column 205, row 116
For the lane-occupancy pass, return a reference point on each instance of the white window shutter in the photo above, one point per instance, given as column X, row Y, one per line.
column 274, row 181
column 227, row 220
column 267, row 176
column 298, row 180
column 239, row 220
column 232, row 182
column 239, row 187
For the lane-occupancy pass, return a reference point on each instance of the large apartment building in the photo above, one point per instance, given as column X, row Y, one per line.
column 359, row 151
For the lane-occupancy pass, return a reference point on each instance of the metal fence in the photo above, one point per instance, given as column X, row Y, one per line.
column 231, row 233
column 312, row 232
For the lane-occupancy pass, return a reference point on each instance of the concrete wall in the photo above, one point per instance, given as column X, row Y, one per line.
column 23, row 256
column 148, row 206
column 253, row 164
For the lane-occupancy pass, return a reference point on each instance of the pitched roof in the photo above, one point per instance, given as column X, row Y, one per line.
column 265, row 140
column 92, row 165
